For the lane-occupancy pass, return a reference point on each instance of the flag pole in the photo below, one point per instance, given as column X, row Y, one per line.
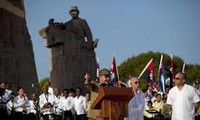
column 183, row 68
column 161, row 59
column 145, row 69
column 160, row 65
column 171, row 71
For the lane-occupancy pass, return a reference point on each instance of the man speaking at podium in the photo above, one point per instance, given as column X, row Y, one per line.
column 104, row 81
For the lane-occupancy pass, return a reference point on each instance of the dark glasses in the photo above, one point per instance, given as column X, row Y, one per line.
column 176, row 78
column 137, row 82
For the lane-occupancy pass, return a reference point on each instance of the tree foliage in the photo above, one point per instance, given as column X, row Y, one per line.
column 42, row 82
column 136, row 64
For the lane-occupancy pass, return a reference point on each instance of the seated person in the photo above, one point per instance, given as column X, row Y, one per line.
column 147, row 114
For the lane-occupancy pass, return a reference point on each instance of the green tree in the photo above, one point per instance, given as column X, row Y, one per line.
column 136, row 64
column 192, row 72
column 42, row 83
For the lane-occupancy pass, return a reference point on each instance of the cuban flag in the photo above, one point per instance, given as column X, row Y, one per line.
column 114, row 72
column 148, row 73
column 162, row 75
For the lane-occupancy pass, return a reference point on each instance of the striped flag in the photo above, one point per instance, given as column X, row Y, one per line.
column 114, row 72
column 162, row 75
column 148, row 73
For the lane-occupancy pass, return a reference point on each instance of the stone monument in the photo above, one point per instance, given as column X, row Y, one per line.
column 17, row 64
column 71, row 51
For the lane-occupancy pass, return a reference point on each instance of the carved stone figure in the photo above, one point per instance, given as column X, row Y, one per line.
column 72, row 50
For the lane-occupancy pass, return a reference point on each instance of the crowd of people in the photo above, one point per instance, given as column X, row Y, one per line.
column 181, row 102
column 178, row 103
column 51, row 104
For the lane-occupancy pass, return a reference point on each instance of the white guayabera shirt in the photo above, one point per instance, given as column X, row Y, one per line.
column 182, row 102
column 136, row 106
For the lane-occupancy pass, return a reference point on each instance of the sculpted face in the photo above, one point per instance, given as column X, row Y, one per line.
column 74, row 13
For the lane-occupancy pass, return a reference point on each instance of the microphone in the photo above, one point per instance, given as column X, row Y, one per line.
column 34, row 85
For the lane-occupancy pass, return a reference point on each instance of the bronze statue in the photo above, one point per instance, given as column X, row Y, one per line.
column 80, row 29
column 72, row 50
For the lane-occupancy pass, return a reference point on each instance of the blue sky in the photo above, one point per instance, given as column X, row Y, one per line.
column 124, row 27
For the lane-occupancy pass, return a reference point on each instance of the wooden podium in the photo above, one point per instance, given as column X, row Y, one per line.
column 112, row 102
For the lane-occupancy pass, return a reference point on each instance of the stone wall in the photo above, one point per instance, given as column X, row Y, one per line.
column 17, row 63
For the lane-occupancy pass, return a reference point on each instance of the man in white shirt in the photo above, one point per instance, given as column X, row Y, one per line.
column 8, row 90
column 3, row 110
column 196, row 85
column 21, row 103
column 57, row 111
column 46, row 102
column 66, row 104
column 136, row 105
column 183, row 99
column 33, row 108
column 80, row 105
column 50, row 89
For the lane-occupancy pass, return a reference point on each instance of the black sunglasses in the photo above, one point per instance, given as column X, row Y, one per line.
column 176, row 78
column 137, row 82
